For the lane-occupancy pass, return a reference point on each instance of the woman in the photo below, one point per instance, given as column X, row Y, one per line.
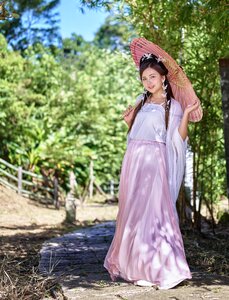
column 147, row 248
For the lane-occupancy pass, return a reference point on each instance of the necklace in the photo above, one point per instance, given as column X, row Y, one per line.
column 155, row 101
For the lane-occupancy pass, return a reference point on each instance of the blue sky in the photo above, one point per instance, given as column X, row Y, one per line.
column 73, row 21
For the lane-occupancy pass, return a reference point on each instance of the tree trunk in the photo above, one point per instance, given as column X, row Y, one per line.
column 224, row 73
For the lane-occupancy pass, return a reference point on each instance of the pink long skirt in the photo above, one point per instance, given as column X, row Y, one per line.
column 147, row 244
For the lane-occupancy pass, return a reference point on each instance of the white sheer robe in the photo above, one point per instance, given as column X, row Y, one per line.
column 154, row 130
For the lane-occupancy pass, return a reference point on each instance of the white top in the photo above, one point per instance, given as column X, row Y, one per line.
column 153, row 116
column 149, row 124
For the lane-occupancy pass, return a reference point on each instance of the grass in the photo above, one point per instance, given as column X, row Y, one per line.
column 18, row 281
column 207, row 252
column 19, row 276
column 19, row 259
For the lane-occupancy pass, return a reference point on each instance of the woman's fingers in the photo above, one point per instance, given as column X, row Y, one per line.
column 193, row 106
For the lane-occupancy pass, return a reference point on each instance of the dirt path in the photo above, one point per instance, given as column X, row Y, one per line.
column 98, row 287
column 76, row 259
column 25, row 225
column 19, row 215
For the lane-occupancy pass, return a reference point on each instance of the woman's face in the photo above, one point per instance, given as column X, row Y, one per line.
column 152, row 82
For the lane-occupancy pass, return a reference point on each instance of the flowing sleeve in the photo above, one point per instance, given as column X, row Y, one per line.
column 175, row 151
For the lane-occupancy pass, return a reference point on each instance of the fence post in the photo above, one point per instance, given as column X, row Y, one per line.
column 56, row 198
column 19, row 180
column 112, row 188
column 70, row 201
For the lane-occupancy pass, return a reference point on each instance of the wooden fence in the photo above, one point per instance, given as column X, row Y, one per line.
column 105, row 188
column 110, row 188
column 29, row 184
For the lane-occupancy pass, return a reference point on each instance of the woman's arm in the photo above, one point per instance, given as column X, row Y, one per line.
column 183, row 128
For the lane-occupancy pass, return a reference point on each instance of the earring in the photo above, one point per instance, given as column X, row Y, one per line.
column 145, row 93
column 164, row 87
column 144, row 96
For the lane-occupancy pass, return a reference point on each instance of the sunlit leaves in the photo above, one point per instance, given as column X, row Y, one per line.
column 64, row 112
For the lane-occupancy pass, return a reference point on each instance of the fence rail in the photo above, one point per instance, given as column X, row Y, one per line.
column 110, row 187
column 29, row 184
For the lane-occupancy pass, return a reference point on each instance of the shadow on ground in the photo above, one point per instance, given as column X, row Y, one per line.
column 87, row 279
column 76, row 259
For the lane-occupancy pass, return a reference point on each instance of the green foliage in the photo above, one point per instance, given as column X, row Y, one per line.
column 114, row 34
column 59, row 113
column 223, row 217
column 90, row 108
column 200, row 60
column 74, row 45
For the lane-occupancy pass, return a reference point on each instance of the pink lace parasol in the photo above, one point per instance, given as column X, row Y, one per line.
column 180, row 84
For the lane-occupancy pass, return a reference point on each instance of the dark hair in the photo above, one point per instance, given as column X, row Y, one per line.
column 152, row 62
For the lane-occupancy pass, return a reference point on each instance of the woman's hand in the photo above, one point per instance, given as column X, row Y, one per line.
column 191, row 107
column 183, row 128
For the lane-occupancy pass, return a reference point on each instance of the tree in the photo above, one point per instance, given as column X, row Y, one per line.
column 114, row 34
column 56, row 118
column 5, row 11
column 38, row 22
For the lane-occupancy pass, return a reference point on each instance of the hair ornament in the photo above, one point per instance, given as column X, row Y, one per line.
column 147, row 56
column 160, row 58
